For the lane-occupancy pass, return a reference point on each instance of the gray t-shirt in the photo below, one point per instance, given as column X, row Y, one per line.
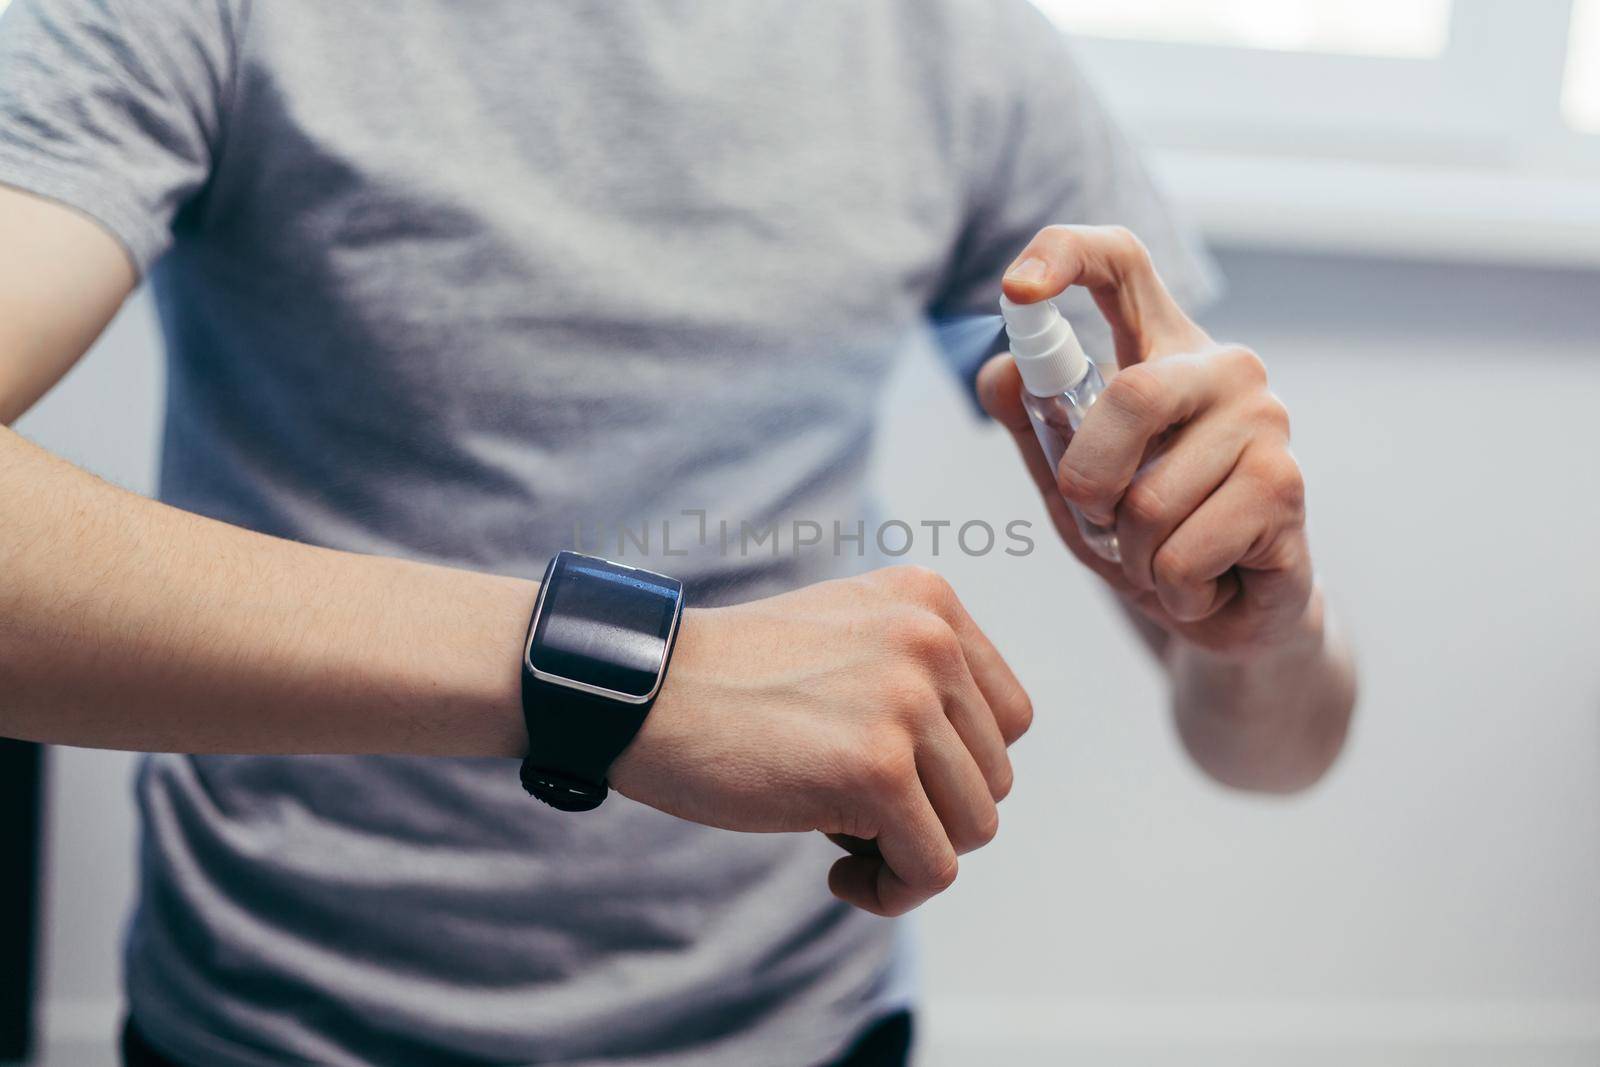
column 443, row 280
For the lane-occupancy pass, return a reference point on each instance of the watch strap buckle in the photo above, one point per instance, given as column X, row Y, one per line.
column 560, row 791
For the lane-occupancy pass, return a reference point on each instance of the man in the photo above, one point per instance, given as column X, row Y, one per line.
column 438, row 282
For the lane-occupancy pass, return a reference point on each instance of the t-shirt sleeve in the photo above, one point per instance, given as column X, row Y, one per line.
column 1044, row 150
column 114, row 108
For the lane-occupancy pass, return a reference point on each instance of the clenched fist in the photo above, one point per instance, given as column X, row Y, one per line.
column 869, row 708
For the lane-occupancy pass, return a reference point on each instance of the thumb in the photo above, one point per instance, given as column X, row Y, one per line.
column 999, row 388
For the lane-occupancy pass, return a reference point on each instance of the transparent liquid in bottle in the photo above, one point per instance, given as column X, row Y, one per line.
column 1055, row 419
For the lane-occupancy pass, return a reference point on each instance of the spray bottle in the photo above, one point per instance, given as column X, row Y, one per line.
column 1059, row 383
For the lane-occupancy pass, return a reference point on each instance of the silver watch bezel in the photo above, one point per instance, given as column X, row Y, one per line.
column 584, row 687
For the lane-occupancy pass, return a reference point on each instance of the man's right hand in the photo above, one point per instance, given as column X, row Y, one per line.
column 869, row 708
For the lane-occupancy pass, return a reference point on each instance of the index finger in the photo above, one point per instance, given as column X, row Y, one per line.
column 998, row 685
column 1116, row 268
column 914, row 861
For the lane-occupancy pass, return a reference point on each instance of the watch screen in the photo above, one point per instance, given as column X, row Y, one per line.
column 604, row 625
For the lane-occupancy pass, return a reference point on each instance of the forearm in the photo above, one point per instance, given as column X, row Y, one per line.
column 125, row 623
column 1274, row 721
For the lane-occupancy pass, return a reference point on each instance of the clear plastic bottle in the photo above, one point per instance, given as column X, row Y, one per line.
column 1059, row 385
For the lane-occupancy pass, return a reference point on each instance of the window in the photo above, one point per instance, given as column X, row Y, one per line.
column 1360, row 27
column 1581, row 99
column 1433, row 127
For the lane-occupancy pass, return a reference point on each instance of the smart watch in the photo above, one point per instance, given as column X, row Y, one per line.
column 597, row 652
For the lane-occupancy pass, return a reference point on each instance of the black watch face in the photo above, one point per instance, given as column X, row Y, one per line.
column 604, row 626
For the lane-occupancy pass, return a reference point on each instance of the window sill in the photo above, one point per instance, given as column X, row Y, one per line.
column 1387, row 210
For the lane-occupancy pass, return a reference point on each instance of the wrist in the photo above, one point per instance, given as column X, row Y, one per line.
column 1301, row 639
column 1273, row 721
column 660, row 743
column 495, row 684
column 1229, row 684
column 441, row 662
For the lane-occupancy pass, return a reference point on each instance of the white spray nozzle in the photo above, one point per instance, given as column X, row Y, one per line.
column 1046, row 349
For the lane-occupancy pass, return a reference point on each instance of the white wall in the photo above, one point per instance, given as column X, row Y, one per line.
column 1436, row 901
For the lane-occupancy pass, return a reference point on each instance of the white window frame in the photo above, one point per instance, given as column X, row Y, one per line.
column 1466, row 155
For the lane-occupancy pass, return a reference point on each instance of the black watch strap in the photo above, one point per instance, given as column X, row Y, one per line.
column 573, row 738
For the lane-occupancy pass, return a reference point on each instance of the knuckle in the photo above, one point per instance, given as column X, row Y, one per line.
column 1005, row 779
column 1270, row 411
column 1143, row 505
column 1059, row 235
column 1082, row 485
column 1286, row 484
column 924, row 584
column 987, row 826
column 1138, row 393
column 1245, row 363
column 944, row 876
column 1174, row 568
column 1020, row 717
column 979, row 830
column 886, row 769
column 932, row 641
column 1126, row 245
